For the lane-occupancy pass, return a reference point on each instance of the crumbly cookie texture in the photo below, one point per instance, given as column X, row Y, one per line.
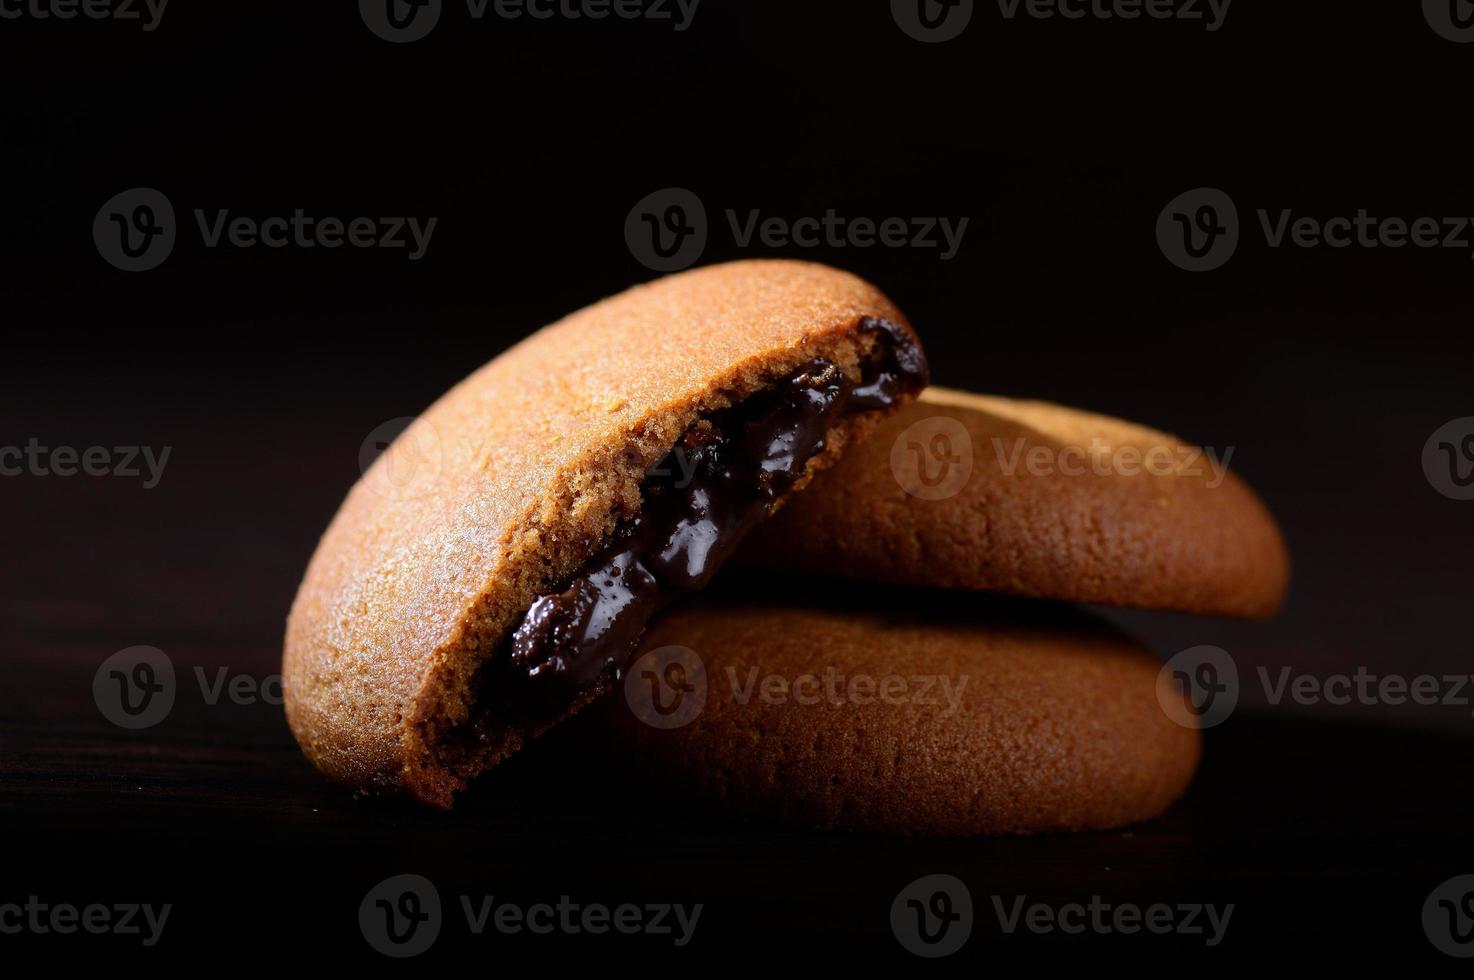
column 507, row 484
column 893, row 711
column 1175, row 534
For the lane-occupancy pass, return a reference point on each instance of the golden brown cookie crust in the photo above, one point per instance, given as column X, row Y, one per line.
column 1053, row 723
column 510, row 482
column 1180, row 541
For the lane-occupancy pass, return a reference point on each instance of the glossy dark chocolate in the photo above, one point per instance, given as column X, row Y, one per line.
column 720, row 480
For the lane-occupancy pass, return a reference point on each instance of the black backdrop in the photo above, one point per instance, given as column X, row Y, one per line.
column 530, row 141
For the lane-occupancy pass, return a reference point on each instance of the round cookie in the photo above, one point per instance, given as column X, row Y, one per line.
column 1032, row 499
column 486, row 576
column 898, row 712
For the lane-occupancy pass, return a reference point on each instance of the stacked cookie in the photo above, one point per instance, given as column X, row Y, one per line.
column 494, row 572
column 925, row 705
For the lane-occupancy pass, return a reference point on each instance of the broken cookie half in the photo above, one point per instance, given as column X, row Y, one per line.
column 494, row 569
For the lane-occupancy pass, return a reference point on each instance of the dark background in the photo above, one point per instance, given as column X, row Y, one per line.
column 1061, row 141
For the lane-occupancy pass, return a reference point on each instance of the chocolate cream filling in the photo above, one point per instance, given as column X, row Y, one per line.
column 721, row 479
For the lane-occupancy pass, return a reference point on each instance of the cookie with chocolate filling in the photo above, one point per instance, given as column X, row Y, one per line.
column 888, row 710
column 1027, row 498
column 494, row 568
